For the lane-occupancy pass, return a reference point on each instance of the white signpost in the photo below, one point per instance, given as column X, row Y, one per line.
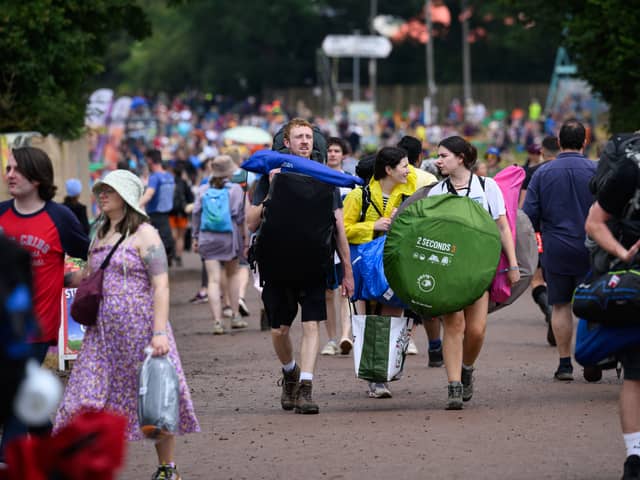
column 363, row 46
column 357, row 47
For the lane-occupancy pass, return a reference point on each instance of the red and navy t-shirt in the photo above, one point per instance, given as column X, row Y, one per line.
column 47, row 234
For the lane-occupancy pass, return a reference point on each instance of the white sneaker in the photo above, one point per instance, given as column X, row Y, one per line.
column 227, row 312
column 330, row 348
column 379, row 390
column 237, row 322
column 411, row 348
column 218, row 329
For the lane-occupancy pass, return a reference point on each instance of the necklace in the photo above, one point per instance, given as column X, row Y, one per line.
column 461, row 185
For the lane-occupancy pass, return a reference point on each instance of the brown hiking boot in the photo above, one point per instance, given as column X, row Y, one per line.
column 289, row 384
column 304, row 402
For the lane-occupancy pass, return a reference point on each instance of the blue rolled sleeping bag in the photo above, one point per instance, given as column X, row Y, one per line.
column 263, row 161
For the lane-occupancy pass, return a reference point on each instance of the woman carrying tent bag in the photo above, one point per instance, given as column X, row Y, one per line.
column 393, row 180
column 464, row 330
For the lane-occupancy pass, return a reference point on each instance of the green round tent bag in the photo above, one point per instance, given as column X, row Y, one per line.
column 441, row 254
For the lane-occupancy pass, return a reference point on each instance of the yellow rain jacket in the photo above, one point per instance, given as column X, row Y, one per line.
column 362, row 232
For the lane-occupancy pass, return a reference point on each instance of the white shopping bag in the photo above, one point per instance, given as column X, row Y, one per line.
column 379, row 346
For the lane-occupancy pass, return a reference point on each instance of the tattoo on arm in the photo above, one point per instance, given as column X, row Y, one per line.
column 155, row 259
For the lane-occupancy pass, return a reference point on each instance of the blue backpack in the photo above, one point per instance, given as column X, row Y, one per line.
column 216, row 212
column 596, row 343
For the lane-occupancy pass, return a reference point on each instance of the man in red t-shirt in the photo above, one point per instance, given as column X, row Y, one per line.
column 47, row 230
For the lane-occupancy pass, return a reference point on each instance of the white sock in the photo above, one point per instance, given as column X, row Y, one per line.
column 306, row 376
column 289, row 366
column 632, row 441
column 467, row 367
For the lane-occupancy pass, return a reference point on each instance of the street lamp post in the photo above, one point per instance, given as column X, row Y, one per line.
column 466, row 53
column 431, row 83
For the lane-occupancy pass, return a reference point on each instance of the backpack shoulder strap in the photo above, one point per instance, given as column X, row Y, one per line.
column 365, row 202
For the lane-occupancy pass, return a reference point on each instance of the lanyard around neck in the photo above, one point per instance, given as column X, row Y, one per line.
column 452, row 189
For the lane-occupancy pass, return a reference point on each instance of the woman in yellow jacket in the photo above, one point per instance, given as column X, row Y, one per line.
column 393, row 181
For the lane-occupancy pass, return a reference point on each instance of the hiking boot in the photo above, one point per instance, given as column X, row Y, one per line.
column 218, row 329
column 379, row 390
column 289, row 384
column 411, row 348
column 199, row 298
column 564, row 373
column 435, row 357
column 166, row 472
column 304, row 402
column 454, row 400
column 592, row 373
column 242, row 308
column 345, row 346
column 551, row 338
column 631, row 468
column 330, row 348
column 238, row 323
column 227, row 312
column 467, row 384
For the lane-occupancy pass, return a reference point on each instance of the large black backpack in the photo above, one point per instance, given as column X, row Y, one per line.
column 620, row 152
column 620, row 149
column 319, row 150
column 295, row 245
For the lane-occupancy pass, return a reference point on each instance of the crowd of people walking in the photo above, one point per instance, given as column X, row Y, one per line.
column 149, row 216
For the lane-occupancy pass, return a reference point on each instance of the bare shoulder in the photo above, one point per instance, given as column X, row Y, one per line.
column 145, row 236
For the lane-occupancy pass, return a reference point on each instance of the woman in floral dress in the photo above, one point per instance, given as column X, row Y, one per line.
column 134, row 314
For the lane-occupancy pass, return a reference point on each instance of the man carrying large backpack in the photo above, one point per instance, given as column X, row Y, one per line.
column 284, row 285
column 615, row 193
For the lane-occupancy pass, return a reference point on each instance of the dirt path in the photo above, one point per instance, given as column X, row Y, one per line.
column 519, row 425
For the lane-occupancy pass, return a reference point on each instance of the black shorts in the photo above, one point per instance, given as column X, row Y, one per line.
column 560, row 287
column 281, row 304
column 631, row 363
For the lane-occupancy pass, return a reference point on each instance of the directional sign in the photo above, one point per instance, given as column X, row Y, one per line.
column 366, row 46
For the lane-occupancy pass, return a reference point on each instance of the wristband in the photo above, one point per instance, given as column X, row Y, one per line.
column 514, row 268
column 160, row 333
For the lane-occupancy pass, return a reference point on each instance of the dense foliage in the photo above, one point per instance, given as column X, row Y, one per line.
column 54, row 52
column 238, row 47
column 603, row 41
column 50, row 49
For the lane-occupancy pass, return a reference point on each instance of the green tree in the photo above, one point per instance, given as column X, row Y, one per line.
column 602, row 39
column 50, row 51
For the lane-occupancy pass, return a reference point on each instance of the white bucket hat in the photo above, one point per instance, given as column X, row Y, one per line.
column 128, row 186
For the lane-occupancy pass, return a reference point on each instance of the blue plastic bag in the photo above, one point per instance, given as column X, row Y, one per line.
column 370, row 282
